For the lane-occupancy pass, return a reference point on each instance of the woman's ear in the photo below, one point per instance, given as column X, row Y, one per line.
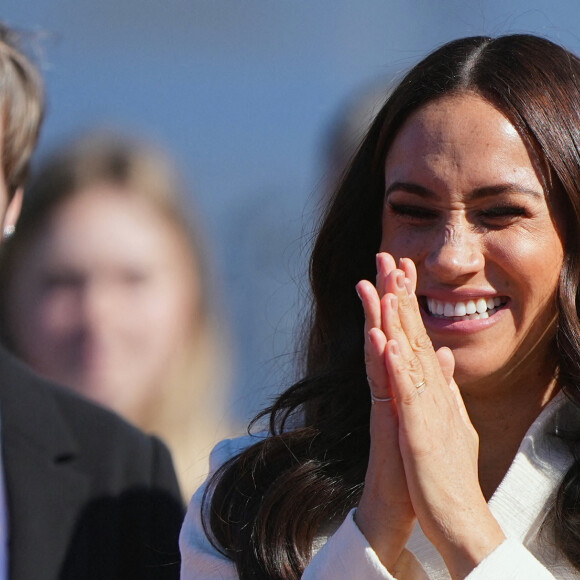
column 12, row 212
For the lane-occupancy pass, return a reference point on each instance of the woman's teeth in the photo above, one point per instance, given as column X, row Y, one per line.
column 470, row 310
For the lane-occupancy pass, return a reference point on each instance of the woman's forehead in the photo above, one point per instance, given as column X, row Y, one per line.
column 460, row 138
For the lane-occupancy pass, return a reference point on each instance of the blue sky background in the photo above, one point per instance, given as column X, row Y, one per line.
column 243, row 93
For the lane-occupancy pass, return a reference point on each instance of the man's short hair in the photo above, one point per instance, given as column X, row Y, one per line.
column 21, row 109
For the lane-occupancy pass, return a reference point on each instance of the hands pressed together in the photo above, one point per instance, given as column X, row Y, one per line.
column 423, row 462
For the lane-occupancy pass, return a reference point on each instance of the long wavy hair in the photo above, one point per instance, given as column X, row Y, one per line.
column 264, row 507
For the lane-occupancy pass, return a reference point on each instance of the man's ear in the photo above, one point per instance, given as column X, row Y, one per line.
column 13, row 211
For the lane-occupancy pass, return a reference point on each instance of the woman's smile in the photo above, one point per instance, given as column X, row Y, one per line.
column 462, row 316
column 470, row 309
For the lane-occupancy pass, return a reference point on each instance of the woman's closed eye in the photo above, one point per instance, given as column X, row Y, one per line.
column 501, row 215
column 413, row 212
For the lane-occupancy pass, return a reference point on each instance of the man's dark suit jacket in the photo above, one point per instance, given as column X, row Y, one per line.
column 89, row 496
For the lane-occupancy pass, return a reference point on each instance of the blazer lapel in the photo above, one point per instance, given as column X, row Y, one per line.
column 44, row 489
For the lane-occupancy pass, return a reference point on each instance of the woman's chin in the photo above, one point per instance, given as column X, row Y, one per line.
column 476, row 378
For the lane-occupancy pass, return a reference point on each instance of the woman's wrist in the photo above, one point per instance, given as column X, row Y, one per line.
column 463, row 548
column 387, row 536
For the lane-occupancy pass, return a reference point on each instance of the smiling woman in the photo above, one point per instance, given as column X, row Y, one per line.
column 434, row 433
column 465, row 202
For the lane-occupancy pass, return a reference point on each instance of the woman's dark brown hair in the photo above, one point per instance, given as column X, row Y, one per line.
column 265, row 506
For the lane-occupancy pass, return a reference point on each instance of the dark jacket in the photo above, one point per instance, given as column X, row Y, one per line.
column 89, row 496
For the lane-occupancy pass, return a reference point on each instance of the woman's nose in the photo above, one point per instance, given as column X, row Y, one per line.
column 455, row 254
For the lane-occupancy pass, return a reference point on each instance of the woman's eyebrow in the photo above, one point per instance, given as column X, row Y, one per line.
column 480, row 192
column 491, row 190
column 410, row 188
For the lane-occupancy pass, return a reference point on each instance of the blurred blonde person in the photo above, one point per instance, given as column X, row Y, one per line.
column 106, row 289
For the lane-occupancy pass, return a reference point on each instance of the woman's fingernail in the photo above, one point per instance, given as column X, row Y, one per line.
column 394, row 347
column 400, row 280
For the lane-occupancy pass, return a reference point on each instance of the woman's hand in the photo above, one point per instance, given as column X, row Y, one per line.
column 385, row 514
column 437, row 443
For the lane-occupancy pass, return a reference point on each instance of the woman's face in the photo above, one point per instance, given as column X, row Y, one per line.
column 464, row 201
column 104, row 297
